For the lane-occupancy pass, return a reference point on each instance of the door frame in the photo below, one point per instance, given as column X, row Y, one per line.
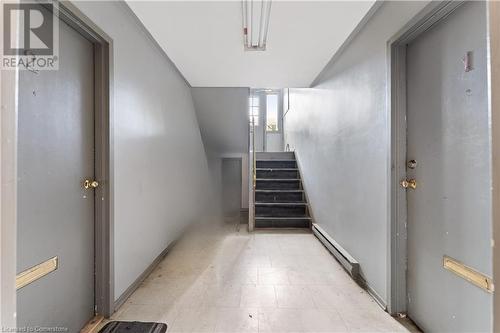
column 103, row 129
column 280, row 131
column 242, row 177
column 246, row 172
column 494, row 89
column 397, row 247
column 103, row 221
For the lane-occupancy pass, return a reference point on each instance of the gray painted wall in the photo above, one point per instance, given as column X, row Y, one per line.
column 223, row 118
column 340, row 132
column 160, row 168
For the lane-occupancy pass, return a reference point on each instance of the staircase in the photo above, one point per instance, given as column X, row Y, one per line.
column 279, row 197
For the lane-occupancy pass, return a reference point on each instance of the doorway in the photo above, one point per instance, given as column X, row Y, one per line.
column 266, row 119
column 63, row 224
column 441, row 183
column 231, row 188
column 274, row 121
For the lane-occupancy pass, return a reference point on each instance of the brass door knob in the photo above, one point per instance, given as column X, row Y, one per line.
column 409, row 183
column 90, row 184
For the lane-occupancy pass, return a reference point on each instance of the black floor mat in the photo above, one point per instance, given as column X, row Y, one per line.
column 133, row 327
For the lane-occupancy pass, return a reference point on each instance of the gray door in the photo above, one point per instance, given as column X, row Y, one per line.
column 449, row 213
column 231, row 187
column 55, row 213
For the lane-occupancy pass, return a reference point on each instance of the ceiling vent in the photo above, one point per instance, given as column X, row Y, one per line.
column 255, row 16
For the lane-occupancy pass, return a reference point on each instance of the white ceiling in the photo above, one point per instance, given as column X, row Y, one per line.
column 204, row 40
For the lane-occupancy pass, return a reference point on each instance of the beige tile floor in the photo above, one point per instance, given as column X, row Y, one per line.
column 220, row 278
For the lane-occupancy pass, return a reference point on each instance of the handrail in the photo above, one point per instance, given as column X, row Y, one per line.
column 254, row 172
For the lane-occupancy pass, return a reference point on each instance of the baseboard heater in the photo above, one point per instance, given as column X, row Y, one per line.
column 350, row 264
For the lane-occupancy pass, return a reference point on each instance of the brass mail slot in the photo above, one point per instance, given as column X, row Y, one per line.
column 36, row 272
column 480, row 280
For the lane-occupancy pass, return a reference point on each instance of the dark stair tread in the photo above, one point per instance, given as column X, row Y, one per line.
column 279, row 179
column 288, row 203
column 292, row 203
column 280, row 160
column 284, row 203
column 277, row 169
column 282, row 222
column 300, row 217
column 269, row 191
column 277, row 174
column 283, row 218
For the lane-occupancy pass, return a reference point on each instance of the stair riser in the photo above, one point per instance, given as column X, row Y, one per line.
column 279, row 197
column 277, row 174
column 275, row 156
column 283, row 223
column 280, row 211
column 276, row 164
column 278, row 185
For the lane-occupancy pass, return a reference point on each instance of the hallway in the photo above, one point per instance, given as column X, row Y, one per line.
column 220, row 278
column 218, row 166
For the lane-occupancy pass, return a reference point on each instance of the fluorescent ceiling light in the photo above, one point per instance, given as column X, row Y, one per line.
column 255, row 23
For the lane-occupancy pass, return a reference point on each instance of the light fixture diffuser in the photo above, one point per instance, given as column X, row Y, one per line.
column 255, row 14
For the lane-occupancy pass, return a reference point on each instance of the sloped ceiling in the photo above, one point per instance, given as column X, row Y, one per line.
column 223, row 118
